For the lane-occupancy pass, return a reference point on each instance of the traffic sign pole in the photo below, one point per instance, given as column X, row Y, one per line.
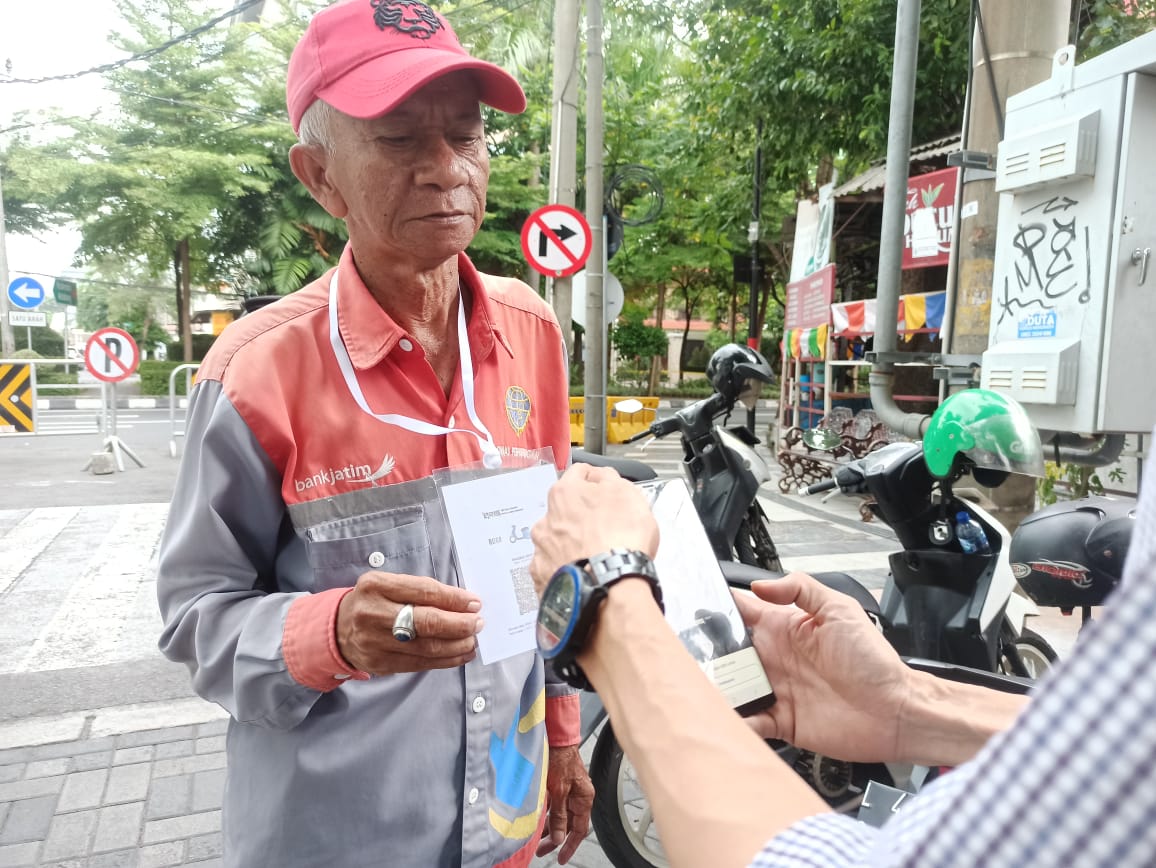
column 111, row 356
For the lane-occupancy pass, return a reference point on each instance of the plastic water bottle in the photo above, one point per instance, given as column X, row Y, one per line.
column 970, row 534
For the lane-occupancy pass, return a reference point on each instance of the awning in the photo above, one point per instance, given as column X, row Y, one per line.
column 919, row 313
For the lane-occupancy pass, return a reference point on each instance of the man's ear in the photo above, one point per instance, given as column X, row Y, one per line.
column 310, row 165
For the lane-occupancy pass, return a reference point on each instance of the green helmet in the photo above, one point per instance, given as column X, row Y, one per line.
column 988, row 429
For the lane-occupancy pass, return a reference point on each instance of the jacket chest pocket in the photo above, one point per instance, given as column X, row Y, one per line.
column 342, row 550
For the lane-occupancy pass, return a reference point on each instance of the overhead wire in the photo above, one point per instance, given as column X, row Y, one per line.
column 141, row 55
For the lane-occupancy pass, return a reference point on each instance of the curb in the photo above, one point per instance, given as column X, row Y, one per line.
column 97, row 404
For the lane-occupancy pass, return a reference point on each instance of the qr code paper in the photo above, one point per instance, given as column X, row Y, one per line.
column 524, row 590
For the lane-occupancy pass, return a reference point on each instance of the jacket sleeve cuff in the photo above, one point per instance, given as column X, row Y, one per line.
column 309, row 642
column 563, row 720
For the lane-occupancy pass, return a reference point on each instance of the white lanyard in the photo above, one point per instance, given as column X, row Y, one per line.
column 491, row 457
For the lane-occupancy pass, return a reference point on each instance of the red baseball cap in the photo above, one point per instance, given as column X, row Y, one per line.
column 364, row 57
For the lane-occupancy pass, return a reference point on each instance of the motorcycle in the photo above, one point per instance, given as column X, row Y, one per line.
column 722, row 466
column 943, row 607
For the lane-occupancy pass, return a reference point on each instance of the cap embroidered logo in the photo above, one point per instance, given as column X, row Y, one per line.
column 406, row 16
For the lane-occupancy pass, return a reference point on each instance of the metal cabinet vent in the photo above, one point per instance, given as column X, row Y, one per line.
column 1048, row 154
column 1042, row 371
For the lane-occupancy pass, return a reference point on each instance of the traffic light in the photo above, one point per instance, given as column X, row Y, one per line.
column 64, row 291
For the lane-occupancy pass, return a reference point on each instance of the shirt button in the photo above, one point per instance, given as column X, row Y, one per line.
column 473, row 797
column 341, row 677
column 376, row 559
column 452, row 421
column 479, row 704
column 406, row 344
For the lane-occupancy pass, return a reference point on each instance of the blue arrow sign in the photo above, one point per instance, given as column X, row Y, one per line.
column 26, row 293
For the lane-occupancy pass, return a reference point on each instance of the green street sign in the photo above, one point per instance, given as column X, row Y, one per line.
column 64, row 291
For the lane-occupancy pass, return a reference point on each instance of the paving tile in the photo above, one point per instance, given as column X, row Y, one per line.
column 28, row 820
column 120, row 859
column 128, row 755
column 119, row 827
column 155, row 736
column 173, row 749
column 69, row 836
column 188, row 765
column 208, row 790
column 162, row 855
column 169, row 797
column 127, row 784
column 70, row 748
column 11, row 772
column 204, row 847
column 211, row 744
column 19, row 855
column 214, row 727
column 83, row 790
column 14, row 791
column 187, row 826
column 47, row 768
column 96, row 760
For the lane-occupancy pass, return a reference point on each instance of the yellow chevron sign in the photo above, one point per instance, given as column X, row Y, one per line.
column 16, row 399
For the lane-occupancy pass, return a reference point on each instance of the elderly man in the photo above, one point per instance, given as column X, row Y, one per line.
column 307, row 575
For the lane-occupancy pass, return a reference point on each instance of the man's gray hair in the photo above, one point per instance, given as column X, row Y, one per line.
column 316, row 125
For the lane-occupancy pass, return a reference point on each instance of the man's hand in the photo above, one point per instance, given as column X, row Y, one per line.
column 590, row 510
column 840, row 688
column 445, row 619
column 569, row 798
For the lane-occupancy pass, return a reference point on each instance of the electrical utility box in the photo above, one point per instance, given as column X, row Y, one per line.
column 1073, row 308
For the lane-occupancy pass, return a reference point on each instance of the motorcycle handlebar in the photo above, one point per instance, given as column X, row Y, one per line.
column 825, row 485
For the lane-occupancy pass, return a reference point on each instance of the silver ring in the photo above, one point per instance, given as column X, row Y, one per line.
column 403, row 629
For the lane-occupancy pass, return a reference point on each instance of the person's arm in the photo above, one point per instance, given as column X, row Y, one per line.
column 844, row 692
column 716, row 790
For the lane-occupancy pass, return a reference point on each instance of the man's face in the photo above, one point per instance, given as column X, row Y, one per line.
column 413, row 182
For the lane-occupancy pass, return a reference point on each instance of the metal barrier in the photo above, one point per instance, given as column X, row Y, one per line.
column 20, row 391
column 189, row 371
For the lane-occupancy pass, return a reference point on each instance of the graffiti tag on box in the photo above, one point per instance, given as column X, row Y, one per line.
column 1052, row 265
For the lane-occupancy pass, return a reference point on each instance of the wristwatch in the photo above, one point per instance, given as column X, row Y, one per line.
column 571, row 602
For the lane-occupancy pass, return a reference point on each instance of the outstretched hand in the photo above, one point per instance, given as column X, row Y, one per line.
column 840, row 687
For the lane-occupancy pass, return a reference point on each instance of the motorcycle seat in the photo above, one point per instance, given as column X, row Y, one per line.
column 741, row 575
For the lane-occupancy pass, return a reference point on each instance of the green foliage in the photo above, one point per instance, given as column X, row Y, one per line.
column 46, row 344
column 635, row 341
column 201, row 344
column 154, row 378
column 1107, row 24
column 1071, row 482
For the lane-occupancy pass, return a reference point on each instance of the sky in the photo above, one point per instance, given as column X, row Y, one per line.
column 44, row 39
column 41, row 38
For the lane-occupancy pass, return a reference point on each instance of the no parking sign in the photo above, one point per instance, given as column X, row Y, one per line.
column 111, row 355
column 556, row 240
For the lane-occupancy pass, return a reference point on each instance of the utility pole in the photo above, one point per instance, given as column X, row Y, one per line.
column 7, row 340
column 1012, row 50
column 595, row 380
column 564, row 145
column 753, row 237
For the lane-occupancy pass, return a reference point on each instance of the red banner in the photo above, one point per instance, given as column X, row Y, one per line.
column 809, row 300
column 927, row 226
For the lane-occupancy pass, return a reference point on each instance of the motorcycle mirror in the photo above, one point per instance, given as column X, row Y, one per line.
column 629, row 405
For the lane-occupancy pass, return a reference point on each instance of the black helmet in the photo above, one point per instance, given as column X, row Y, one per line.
column 737, row 373
column 1072, row 554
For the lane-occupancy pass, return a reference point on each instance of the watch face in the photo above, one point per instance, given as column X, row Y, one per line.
column 558, row 611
